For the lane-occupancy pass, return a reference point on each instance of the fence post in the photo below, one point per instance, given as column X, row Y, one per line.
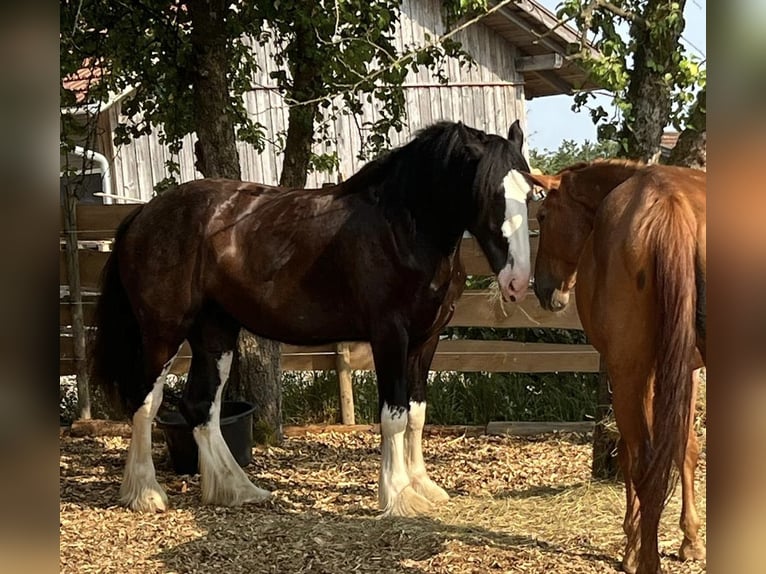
column 604, row 442
column 75, row 302
column 343, row 367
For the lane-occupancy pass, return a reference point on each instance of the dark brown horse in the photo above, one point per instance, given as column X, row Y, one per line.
column 375, row 259
column 633, row 238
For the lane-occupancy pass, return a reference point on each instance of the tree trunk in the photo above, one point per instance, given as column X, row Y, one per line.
column 300, row 126
column 300, row 134
column 691, row 148
column 648, row 92
column 256, row 378
column 256, row 375
column 216, row 151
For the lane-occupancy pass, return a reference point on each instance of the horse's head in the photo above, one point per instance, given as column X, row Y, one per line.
column 500, row 224
column 565, row 224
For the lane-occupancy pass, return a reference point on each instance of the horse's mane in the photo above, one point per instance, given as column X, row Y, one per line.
column 429, row 184
column 398, row 174
column 371, row 173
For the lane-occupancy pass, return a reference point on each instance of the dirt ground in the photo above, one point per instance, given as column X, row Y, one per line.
column 518, row 505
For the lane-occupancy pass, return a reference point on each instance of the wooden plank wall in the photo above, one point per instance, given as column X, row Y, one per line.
column 474, row 309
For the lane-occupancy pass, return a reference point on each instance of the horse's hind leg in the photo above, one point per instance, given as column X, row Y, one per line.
column 213, row 338
column 140, row 490
column 419, row 363
column 692, row 547
column 630, row 523
column 628, row 401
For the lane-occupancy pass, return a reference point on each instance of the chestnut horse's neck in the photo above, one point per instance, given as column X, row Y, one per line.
column 589, row 184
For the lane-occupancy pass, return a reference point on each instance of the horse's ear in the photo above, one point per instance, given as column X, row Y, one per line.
column 547, row 182
column 516, row 135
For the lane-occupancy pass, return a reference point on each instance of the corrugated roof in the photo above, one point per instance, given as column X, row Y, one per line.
column 535, row 31
column 81, row 81
column 669, row 140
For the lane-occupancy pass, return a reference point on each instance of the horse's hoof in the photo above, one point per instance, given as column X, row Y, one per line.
column 428, row 489
column 249, row 494
column 629, row 565
column 407, row 503
column 692, row 550
column 149, row 500
column 256, row 496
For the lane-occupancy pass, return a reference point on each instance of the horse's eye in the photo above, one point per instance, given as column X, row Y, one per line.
column 540, row 217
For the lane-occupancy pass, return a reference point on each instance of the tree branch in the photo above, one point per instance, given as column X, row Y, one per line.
column 404, row 59
column 622, row 13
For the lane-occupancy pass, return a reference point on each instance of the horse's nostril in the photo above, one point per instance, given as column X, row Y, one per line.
column 513, row 298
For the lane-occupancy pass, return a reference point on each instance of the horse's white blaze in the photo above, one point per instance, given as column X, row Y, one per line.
column 416, row 467
column 223, row 481
column 514, row 277
column 512, row 225
column 139, row 489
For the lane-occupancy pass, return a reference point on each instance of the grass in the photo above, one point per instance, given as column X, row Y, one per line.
column 453, row 398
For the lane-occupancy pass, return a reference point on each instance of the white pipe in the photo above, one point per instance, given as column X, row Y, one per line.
column 83, row 109
column 125, row 197
column 106, row 172
column 97, row 107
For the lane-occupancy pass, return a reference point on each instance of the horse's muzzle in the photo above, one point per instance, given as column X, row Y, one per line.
column 552, row 299
column 513, row 284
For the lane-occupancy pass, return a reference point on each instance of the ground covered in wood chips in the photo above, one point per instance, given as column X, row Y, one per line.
column 518, row 505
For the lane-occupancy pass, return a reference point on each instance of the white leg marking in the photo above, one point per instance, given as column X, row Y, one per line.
column 223, row 481
column 396, row 496
column 416, row 467
column 140, row 490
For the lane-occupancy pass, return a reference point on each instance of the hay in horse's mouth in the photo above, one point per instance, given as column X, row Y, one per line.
column 495, row 296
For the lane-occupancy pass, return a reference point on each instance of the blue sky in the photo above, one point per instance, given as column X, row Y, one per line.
column 550, row 120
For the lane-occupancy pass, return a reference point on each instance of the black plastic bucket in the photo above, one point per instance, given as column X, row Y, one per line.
column 236, row 427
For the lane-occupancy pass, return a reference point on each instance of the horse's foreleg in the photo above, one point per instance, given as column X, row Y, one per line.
column 140, row 490
column 223, row 482
column 692, row 548
column 419, row 364
column 396, row 495
column 416, row 467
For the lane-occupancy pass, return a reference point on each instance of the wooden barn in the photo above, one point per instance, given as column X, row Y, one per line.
column 519, row 50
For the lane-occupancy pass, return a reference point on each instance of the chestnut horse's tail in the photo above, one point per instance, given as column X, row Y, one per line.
column 670, row 233
column 116, row 351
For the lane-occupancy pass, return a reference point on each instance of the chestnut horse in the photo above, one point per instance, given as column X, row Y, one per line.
column 375, row 258
column 633, row 238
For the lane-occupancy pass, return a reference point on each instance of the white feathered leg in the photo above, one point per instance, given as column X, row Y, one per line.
column 416, row 467
column 223, row 481
column 396, row 495
column 140, row 490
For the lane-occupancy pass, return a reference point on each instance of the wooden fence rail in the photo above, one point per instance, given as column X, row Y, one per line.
column 96, row 223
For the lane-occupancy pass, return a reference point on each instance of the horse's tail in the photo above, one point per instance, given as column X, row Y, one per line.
column 116, row 351
column 671, row 234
